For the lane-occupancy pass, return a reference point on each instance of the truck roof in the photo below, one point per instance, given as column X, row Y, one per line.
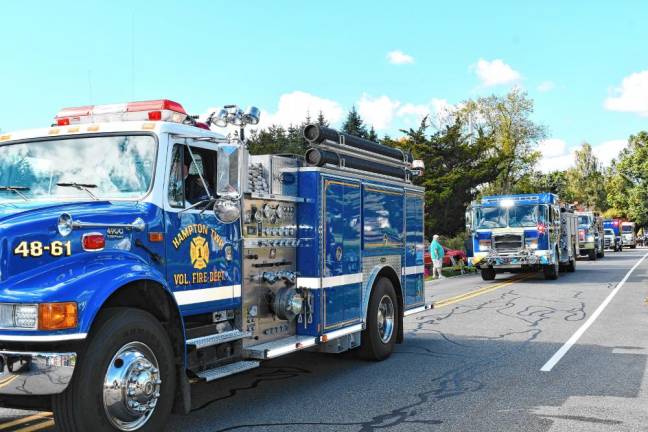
column 107, row 127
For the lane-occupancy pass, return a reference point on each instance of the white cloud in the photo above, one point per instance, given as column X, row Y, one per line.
column 378, row 112
column 632, row 96
column 399, row 57
column 555, row 155
column 496, row 72
column 609, row 150
column 546, row 86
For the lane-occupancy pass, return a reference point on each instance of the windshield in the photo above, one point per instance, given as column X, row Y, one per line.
column 514, row 217
column 627, row 229
column 107, row 166
column 583, row 220
column 609, row 232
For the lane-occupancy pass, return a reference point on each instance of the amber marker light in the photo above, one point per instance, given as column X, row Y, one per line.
column 156, row 237
column 57, row 316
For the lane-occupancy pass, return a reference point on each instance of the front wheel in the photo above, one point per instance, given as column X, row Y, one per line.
column 378, row 339
column 488, row 273
column 551, row 270
column 125, row 379
column 592, row 255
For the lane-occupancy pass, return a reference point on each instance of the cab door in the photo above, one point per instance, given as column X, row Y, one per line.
column 202, row 253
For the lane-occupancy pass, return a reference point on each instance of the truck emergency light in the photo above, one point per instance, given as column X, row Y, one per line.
column 154, row 110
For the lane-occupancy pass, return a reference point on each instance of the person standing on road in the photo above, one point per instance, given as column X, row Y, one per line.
column 436, row 253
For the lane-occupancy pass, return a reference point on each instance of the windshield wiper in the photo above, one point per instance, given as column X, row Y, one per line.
column 18, row 190
column 81, row 186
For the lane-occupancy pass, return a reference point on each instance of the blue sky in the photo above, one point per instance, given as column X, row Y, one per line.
column 584, row 63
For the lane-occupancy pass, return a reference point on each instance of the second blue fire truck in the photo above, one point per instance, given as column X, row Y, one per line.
column 528, row 232
column 141, row 252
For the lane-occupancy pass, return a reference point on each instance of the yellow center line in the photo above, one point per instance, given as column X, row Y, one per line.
column 36, row 427
column 478, row 292
column 25, row 420
column 7, row 380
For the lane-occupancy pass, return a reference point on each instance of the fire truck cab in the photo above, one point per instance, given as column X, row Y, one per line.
column 141, row 252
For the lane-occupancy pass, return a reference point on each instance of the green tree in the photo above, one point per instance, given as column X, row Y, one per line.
column 455, row 168
column 507, row 119
column 354, row 125
column 586, row 183
column 321, row 120
column 627, row 186
column 372, row 135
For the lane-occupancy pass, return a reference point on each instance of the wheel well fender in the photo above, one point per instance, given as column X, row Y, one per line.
column 388, row 272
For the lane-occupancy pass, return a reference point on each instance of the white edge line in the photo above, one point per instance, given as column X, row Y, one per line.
column 574, row 338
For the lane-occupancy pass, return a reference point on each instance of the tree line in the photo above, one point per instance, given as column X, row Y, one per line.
column 488, row 146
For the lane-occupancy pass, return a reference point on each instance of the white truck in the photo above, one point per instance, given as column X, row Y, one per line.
column 628, row 234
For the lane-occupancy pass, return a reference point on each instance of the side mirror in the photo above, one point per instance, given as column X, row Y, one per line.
column 227, row 210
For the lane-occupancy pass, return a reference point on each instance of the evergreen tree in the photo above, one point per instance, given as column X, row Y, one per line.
column 321, row 120
column 372, row 135
column 354, row 125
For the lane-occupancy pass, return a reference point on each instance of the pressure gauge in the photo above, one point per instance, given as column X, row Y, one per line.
column 268, row 211
column 280, row 212
column 258, row 216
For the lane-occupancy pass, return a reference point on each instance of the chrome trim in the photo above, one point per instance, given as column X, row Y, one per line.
column 259, row 195
column 35, row 373
column 137, row 225
column 46, row 338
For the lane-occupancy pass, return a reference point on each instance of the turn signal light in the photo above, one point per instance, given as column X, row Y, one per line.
column 155, row 115
column 93, row 242
column 57, row 316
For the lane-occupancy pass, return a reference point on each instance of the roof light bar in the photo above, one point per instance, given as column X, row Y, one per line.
column 153, row 110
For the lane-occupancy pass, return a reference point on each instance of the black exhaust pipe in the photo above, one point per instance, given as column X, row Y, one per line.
column 316, row 134
column 318, row 157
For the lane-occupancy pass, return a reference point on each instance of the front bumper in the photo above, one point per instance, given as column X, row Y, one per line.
column 35, row 373
column 583, row 246
column 523, row 257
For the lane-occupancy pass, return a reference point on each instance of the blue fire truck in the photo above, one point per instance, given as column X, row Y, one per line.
column 527, row 232
column 141, row 252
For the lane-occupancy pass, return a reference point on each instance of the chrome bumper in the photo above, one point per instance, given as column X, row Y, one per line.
column 35, row 373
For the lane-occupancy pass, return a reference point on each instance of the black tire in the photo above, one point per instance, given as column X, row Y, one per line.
column 633, row 247
column 551, row 270
column 488, row 273
column 81, row 408
column 372, row 347
column 592, row 255
column 601, row 253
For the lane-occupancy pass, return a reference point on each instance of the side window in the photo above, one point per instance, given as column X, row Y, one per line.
column 176, row 178
column 186, row 185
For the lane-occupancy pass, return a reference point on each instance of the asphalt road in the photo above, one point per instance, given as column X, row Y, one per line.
column 483, row 360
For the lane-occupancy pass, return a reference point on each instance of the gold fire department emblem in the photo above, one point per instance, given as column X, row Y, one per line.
column 199, row 252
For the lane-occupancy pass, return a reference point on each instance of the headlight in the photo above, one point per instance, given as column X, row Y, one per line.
column 532, row 243
column 590, row 238
column 19, row 316
column 484, row 245
column 44, row 316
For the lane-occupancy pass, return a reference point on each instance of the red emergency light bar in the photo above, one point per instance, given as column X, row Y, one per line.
column 153, row 110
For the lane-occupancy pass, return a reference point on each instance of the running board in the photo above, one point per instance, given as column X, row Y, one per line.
column 216, row 339
column 418, row 309
column 279, row 347
column 227, row 370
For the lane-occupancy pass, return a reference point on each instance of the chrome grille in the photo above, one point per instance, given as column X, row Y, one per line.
column 507, row 243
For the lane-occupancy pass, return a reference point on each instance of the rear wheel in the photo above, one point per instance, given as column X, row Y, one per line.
column 378, row 339
column 601, row 252
column 488, row 273
column 125, row 380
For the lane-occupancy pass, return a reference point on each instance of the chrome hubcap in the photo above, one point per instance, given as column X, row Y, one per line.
column 131, row 386
column 385, row 318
